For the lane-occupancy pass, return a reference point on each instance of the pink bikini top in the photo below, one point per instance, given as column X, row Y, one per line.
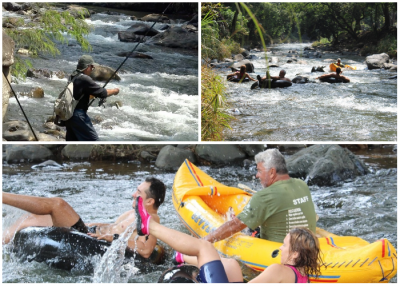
column 299, row 278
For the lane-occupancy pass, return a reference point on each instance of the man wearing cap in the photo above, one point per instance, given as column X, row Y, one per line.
column 79, row 126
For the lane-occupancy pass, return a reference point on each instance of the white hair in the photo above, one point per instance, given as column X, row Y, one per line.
column 272, row 158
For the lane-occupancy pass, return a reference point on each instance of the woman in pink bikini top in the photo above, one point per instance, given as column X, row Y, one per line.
column 300, row 258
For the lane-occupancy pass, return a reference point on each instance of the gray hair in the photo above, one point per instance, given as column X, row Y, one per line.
column 272, row 158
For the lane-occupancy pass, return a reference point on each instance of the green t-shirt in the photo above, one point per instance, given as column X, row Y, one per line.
column 279, row 208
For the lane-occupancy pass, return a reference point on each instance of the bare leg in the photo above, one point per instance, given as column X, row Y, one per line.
column 184, row 243
column 23, row 222
column 61, row 213
column 231, row 266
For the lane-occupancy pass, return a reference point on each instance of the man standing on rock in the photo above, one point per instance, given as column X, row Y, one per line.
column 57, row 212
column 283, row 204
column 79, row 126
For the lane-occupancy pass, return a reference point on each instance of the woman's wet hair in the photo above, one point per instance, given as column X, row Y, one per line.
column 338, row 70
column 272, row 158
column 156, row 191
column 306, row 244
column 242, row 69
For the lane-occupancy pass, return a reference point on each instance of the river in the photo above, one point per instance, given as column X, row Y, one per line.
column 363, row 110
column 159, row 96
column 364, row 207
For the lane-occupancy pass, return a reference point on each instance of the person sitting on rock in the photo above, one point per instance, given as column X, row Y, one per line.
column 336, row 75
column 281, row 76
column 339, row 63
column 240, row 75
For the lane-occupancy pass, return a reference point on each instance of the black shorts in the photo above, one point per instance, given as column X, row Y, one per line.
column 81, row 227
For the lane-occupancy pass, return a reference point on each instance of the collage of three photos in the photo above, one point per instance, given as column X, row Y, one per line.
column 236, row 142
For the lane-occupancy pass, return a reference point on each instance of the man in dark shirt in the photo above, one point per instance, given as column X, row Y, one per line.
column 79, row 126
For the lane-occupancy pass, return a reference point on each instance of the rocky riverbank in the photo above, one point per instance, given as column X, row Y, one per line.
column 317, row 164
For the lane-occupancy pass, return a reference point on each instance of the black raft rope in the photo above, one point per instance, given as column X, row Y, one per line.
column 102, row 100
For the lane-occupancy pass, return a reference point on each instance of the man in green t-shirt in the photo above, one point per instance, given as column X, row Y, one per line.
column 284, row 203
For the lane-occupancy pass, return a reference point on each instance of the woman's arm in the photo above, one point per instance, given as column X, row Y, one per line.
column 247, row 75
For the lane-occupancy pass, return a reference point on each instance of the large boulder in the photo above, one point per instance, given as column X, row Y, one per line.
column 176, row 37
column 18, row 131
column 249, row 65
column 79, row 152
column 78, row 11
column 8, row 61
column 31, row 153
column 325, row 165
column 142, row 29
column 220, row 154
column 103, row 73
column 377, row 61
column 252, row 149
column 171, row 158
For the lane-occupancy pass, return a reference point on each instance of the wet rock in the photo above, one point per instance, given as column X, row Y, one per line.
column 36, row 92
column 176, row 37
column 387, row 66
column 30, row 153
column 325, row 165
column 220, row 154
column 238, row 57
column 377, row 61
column 103, row 73
column 253, row 149
column 78, row 11
column 147, row 156
column 318, row 69
column 155, row 18
column 134, row 55
column 249, row 66
column 142, row 29
column 245, row 53
column 80, row 152
column 18, row 131
column 11, row 6
column 171, row 158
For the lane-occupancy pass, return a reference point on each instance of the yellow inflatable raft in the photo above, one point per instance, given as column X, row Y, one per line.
column 203, row 204
column 333, row 67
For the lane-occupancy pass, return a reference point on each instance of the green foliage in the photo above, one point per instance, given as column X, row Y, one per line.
column 214, row 119
column 40, row 36
column 322, row 41
column 387, row 45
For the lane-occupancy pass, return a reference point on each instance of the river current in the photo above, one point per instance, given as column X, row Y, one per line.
column 363, row 110
column 159, row 96
column 101, row 191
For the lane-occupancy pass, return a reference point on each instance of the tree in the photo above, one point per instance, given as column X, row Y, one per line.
column 47, row 28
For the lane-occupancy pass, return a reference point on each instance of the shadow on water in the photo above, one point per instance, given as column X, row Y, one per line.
column 101, row 191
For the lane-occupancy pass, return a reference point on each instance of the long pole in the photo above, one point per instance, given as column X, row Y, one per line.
column 101, row 102
column 30, row 126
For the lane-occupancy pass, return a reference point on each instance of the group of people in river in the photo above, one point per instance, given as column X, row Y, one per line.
column 267, row 209
column 242, row 75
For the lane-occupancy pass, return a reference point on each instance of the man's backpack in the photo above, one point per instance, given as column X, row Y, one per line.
column 65, row 105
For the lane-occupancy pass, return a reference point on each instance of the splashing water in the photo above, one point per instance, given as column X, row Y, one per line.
column 112, row 267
